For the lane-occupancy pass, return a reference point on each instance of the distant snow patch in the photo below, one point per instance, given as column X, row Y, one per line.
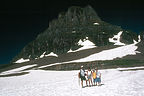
column 135, row 42
column 29, row 56
column 42, row 55
column 85, row 43
column 17, row 69
column 116, row 39
column 137, row 51
column 139, row 38
column 49, row 65
column 111, row 54
column 52, row 54
column 95, row 23
column 79, row 42
column 22, row 60
column 73, row 31
column 70, row 51
column 141, row 67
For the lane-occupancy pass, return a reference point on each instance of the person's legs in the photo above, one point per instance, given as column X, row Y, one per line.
column 99, row 82
column 86, row 83
column 91, row 82
column 95, row 81
column 82, row 83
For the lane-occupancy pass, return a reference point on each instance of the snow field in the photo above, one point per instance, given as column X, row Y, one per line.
column 16, row 70
column 110, row 54
column 66, row 83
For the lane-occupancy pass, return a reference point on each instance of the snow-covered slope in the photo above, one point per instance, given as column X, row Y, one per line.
column 86, row 44
column 107, row 54
column 17, row 70
column 110, row 54
column 66, row 83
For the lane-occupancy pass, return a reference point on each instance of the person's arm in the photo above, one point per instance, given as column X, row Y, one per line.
column 86, row 73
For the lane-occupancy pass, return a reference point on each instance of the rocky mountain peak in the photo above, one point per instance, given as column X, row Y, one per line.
column 64, row 33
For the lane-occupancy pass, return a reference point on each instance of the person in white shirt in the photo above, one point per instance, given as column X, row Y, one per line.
column 89, row 76
column 98, row 77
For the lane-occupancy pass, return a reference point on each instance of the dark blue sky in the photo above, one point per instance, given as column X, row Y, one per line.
column 21, row 21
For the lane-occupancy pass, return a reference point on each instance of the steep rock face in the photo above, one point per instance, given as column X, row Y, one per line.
column 64, row 33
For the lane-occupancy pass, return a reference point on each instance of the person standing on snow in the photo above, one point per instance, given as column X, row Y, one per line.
column 89, row 76
column 82, row 76
column 94, row 77
column 98, row 77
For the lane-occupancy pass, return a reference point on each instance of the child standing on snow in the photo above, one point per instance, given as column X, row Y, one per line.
column 94, row 77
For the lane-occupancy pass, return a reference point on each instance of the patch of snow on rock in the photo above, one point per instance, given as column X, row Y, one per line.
column 73, row 31
column 95, row 23
column 52, row 54
column 135, row 42
column 85, row 43
column 116, row 39
column 70, row 51
column 42, row 55
column 49, row 65
column 22, row 60
column 139, row 38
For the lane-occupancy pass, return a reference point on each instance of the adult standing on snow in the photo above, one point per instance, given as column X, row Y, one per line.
column 82, row 76
column 89, row 75
column 98, row 77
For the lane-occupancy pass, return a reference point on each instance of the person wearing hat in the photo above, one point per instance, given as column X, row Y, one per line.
column 82, row 76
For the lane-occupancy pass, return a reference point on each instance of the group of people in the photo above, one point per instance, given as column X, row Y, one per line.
column 93, row 77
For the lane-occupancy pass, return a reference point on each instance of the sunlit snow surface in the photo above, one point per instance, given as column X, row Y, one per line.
column 52, row 54
column 96, row 23
column 116, row 39
column 22, row 60
column 66, row 83
column 110, row 54
column 42, row 55
column 86, row 44
column 16, row 70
